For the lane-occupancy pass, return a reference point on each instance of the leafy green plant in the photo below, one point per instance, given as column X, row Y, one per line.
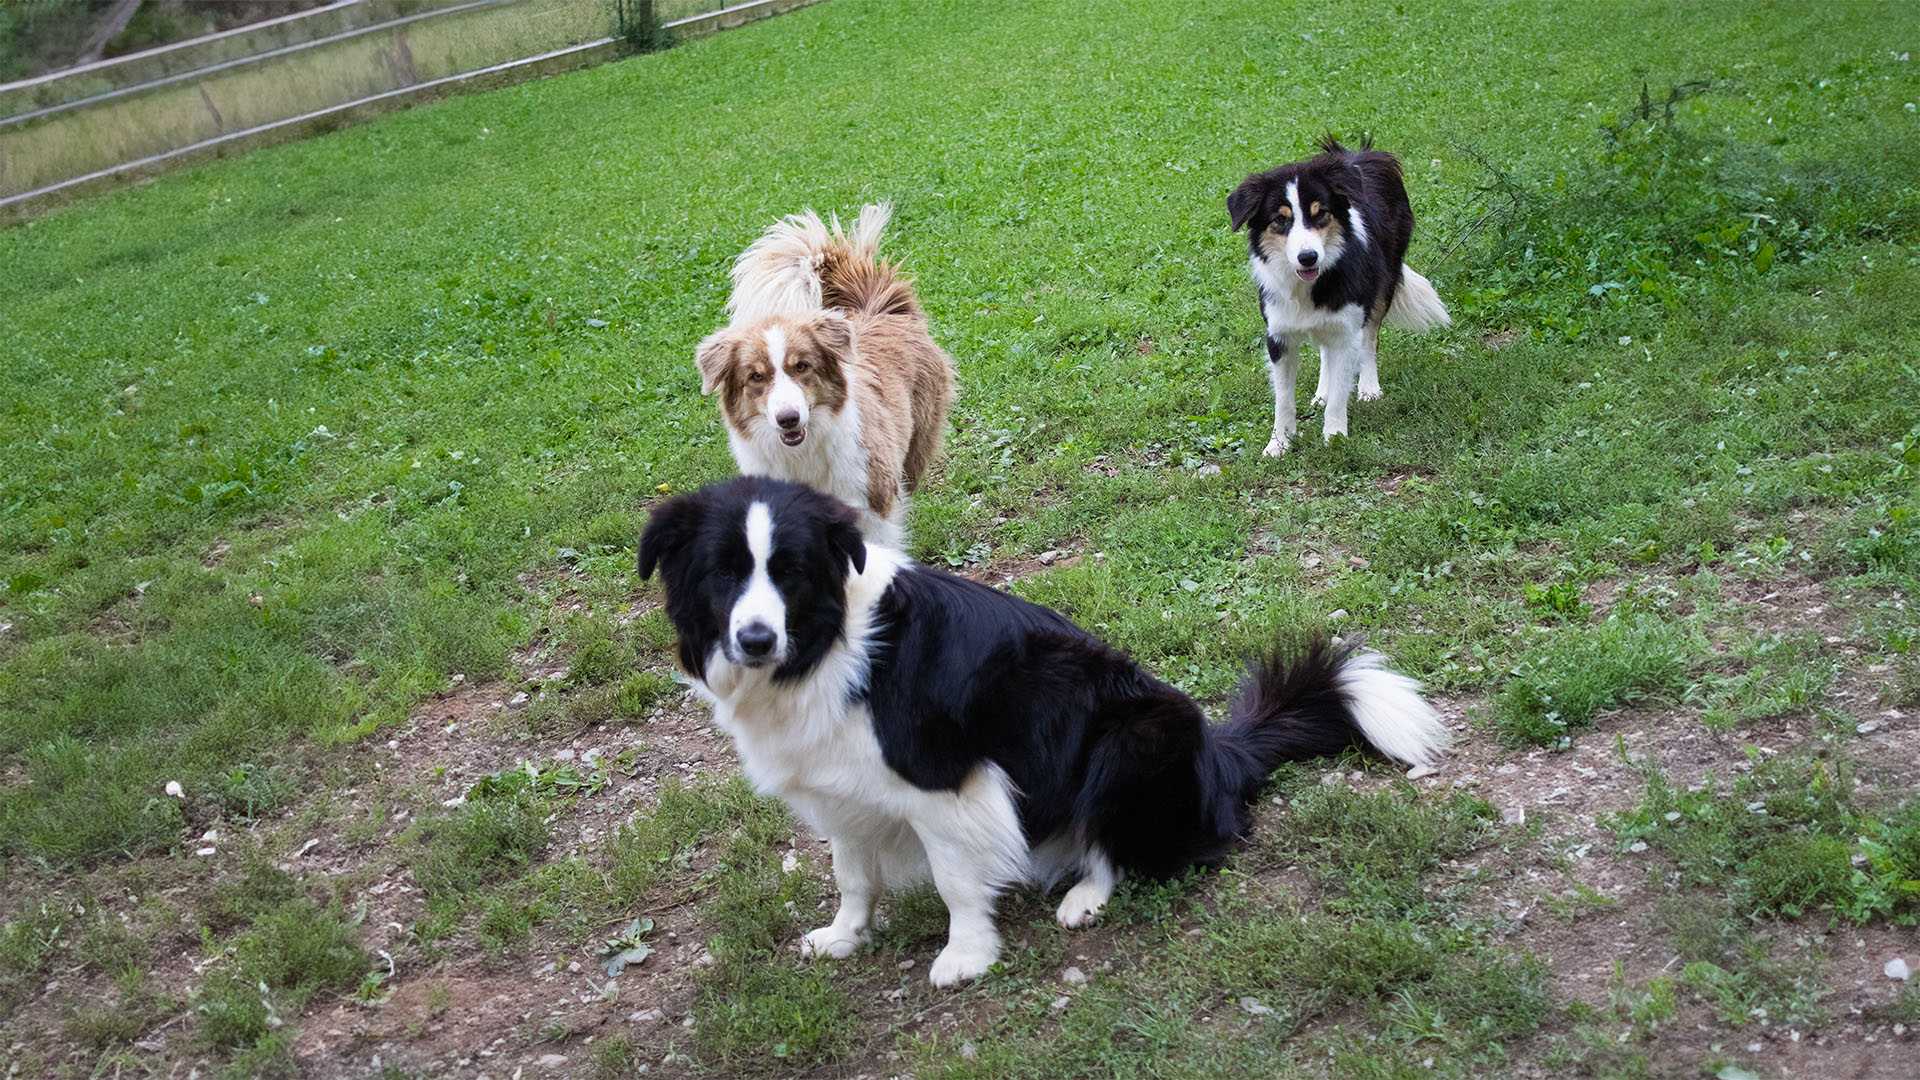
column 557, row 780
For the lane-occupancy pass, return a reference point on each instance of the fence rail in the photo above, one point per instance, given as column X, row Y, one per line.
column 53, row 152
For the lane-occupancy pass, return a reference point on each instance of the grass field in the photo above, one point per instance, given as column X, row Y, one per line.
column 321, row 469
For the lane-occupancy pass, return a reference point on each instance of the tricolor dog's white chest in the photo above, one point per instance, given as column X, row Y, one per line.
column 1286, row 303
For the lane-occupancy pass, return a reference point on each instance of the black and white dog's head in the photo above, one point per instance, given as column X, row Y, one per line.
column 1301, row 215
column 755, row 571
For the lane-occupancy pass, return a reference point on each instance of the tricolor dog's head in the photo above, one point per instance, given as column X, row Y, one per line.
column 755, row 572
column 1300, row 215
column 774, row 375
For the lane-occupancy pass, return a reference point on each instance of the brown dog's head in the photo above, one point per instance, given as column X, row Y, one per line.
column 773, row 374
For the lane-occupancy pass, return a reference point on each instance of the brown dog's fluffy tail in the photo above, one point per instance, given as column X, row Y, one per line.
column 802, row 264
column 853, row 276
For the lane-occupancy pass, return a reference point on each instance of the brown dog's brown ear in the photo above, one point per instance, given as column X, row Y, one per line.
column 1244, row 201
column 712, row 357
column 834, row 334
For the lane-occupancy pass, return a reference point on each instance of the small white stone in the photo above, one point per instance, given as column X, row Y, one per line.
column 1897, row 969
column 1336, row 614
column 790, row 862
column 175, row 790
column 204, row 851
column 1513, row 815
column 1073, row 976
column 563, row 755
column 1060, row 1003
column 1867, row 728
column 1253, row 1006
column 550, row 1061
column 1637, row 846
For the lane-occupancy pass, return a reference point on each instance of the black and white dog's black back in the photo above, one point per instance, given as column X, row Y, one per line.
column 1328, row 237
column 930, row 726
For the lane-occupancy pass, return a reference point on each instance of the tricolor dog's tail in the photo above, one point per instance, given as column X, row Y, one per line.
column 1416, row 306
column 802, row 264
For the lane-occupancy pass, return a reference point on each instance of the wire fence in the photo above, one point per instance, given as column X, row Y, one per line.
column 299, row 73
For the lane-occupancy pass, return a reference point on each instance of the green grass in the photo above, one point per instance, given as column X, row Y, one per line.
column 479, row 842
column 1383, row 980
column 1575, row 674
column 1783, row 839
column 288, row 441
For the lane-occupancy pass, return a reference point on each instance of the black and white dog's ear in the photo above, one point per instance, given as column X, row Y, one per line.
column 671, row 528
column 844, row 540
column 1244, row 201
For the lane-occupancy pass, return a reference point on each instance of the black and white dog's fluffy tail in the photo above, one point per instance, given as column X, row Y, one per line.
column 1292, row 707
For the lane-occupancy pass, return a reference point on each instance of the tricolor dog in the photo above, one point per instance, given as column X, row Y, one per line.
column 932, row 727
column 1327, row 237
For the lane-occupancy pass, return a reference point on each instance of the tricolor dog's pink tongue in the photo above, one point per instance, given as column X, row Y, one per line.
column 1308, row 275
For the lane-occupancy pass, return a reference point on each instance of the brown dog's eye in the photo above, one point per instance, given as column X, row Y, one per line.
column 757, row 377
column 802, row 367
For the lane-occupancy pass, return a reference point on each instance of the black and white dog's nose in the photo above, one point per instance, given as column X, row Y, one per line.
column 755, row 640
column 1309, row 258
column 787, row 420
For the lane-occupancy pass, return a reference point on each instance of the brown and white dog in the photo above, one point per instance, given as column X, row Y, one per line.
column 827, row 374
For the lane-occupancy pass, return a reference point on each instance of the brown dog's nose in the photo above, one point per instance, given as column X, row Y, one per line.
column 788, row 420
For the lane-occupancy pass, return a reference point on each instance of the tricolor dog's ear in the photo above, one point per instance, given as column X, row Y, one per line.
column 835, row 334
column 712, row 357
column 844, row 540
column 671, row 527
column 1244, row 201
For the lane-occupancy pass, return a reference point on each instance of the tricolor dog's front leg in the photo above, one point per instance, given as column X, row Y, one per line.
column 1283, row 363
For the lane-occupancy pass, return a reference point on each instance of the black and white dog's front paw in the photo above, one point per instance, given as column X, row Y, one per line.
column 832, row 942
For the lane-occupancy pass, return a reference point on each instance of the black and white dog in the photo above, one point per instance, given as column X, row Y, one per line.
column 1327, row 237
column 931, row 726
